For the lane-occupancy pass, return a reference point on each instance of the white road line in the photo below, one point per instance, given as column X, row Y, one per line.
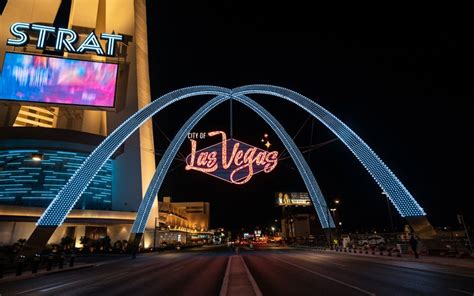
column 463, row 292
column 321, row 259
column 58, row 286
column 326, row 277
column 116, row 276
column 34, row 289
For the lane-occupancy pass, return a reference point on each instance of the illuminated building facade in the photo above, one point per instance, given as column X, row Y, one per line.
column 182, row 222
column 65, row 135
column 133, row 169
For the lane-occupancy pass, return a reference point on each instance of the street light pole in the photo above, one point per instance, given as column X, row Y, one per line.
column 154, row 235
column 461, row 221
column 329, row 228
column 389, row 211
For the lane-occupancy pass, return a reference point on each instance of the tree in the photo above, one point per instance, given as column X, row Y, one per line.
column 85, row 242
column 67, row 242
column 105, row 243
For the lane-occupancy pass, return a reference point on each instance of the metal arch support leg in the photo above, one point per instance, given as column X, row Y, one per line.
column 134, row 243
column 37, row 241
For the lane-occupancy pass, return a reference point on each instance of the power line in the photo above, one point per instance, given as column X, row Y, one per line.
column 312, row 147
column 294, row 137
column 167, row 138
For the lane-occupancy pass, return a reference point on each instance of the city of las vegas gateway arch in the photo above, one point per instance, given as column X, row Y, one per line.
column 59, row 208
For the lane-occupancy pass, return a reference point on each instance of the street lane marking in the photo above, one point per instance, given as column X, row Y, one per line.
column 326, row 276
column 58, row 286
column 116, row 276
column 462, row 292
column 34, row 289
column 321, row 259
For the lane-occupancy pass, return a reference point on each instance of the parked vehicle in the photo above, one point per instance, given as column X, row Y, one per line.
column 373, row 240
column 346, row 241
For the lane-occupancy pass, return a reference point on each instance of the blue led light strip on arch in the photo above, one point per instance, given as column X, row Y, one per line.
column 57, row 211
column 59, row 208
column 165, row 162
column 400, row 197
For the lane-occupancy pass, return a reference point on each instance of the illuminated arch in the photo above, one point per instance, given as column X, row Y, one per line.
column 62, row 204
column 59, row 208
column 400, row 197
column 165, row 162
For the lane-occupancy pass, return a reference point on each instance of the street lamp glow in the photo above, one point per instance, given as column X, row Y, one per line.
column 273, row 228
column 37, row 157
column 337, row 201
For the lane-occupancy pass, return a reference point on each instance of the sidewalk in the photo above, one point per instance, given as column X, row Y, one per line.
column 11, row 277
column 449, row 261
column 81, row 262
column 409, row 261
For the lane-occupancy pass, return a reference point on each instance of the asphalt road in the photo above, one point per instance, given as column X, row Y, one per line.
column 276, row 271
column 190, row 272
column 301, row 272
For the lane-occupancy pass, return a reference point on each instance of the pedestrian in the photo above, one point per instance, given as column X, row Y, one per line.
column 414, row 244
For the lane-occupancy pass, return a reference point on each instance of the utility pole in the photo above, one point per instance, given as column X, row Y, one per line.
column 329, row 227
column 389, row 211
column 461, row 221
column 154, row 235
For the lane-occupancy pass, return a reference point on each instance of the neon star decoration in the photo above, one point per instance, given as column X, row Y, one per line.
column 231, row 160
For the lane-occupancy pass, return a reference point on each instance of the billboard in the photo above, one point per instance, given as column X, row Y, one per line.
column 36, row 79
column 293, row 199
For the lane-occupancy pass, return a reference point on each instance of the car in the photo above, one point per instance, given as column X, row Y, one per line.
column 373, row 240
column 244, row 243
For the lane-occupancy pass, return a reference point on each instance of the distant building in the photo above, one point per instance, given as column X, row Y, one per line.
column 182, row 222
column 300, row 224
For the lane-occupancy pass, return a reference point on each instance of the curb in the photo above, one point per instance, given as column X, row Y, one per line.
column 14, row 278
column 386, row 255
column 232, row 284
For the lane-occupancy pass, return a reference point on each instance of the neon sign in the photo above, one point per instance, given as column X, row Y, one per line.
column 65, row 39
column 230, row 160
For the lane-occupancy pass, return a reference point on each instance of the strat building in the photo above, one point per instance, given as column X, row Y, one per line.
column 71, row 71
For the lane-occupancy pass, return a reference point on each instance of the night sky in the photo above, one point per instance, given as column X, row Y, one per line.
column 397, row 74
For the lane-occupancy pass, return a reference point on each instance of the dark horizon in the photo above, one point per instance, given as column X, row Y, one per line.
column 400, row 86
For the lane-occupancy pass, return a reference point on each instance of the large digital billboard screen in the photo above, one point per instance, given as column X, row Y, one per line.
column 58, row 81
